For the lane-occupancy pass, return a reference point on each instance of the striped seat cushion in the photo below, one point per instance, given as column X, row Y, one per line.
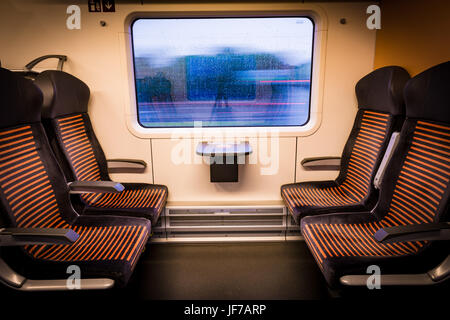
column 77, row 141
column 357, row 181
column 417, row 197
column 32, row 203
column 97, row 243
column 328, row 241
column 135, row 196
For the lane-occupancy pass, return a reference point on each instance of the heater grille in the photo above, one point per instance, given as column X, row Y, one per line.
column 218, row 224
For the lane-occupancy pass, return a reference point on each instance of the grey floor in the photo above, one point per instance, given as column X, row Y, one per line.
column 284, row 270
column 240, row 271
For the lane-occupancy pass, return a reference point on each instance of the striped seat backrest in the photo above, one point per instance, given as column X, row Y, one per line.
column 366, row 144
column 421, row 189
column 28, row 194
column 416, row 189
column 381, row 112
column 66, row 119
column 75, row 140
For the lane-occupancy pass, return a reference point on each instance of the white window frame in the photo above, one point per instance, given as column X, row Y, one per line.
column 315, row 13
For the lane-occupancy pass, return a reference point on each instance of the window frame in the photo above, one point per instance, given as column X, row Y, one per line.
column 215, row 16
column 312, row 11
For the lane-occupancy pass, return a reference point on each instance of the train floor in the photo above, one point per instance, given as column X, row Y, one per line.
column 249, row 271
column 228, row 271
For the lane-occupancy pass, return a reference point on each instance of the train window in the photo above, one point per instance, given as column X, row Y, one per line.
column 223, row 72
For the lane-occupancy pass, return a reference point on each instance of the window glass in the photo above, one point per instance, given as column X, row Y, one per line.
column 223, row 72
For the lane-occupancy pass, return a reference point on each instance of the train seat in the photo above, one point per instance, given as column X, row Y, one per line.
column 66, row 120
column 44, row 229
column 397, row 236
column 380, row 113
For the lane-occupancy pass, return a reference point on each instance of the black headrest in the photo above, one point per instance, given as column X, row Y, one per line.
column 63, row 94
column 382, row 90
column 427, row 95
column 20, row 100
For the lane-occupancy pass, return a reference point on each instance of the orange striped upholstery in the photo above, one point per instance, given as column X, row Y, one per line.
column 355, row 185
column 417, row 196
column 32, row 202
column 143, row 197
column 79, row 149
column 328, row 241
column 25, row 183
column 97, row 243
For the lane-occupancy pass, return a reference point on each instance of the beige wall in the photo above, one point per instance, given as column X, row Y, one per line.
column 414, row 34
column 350, row 54
column 29, row 29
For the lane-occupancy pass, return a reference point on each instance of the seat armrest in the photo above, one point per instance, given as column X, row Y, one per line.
column 415, row 232
column 393, row 142
column 31, row 236
column 95, row 187
column 321, row 163
column 126, row 166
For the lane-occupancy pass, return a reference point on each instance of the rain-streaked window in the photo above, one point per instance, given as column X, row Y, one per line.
column 223, row 72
